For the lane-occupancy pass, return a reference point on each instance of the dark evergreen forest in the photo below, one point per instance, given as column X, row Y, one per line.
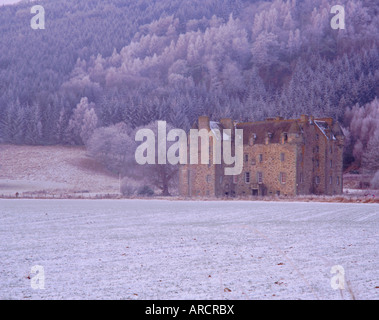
column 99, row 63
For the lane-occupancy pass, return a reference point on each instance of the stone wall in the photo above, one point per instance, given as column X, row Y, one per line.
column 306, row 160
column 265, row 166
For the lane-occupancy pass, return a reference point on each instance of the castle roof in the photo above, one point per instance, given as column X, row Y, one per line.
column 274, row 128
column 262, row 128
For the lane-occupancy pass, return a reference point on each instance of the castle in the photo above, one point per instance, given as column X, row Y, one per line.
column 280, row 157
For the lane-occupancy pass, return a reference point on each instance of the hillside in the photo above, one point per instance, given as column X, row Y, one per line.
column 35, row 170
column 174, row 60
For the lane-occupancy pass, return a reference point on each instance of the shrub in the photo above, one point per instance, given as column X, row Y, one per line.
column 375, row 181
column 129, row 187
column 145, row 191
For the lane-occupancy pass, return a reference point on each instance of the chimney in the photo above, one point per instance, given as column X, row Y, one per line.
column 204, row 123
column 227, row 123
column 304, row 118
column 329, row 121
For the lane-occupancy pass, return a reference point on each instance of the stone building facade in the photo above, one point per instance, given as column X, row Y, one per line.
column 280, row 157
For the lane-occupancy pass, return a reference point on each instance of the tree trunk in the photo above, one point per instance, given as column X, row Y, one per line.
column 165, row 191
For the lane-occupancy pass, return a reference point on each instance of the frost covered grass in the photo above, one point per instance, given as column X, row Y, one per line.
column 356, row 196
column 149, row 249
column 35, row 171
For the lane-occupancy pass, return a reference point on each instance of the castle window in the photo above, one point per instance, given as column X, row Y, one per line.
column 246, row 158
column 284, row 137
column 283, row 178
column 260, row 177
column 338, row 181
column 317, row 163
column 247, row 177
column 282, row 157
column 268, row 137
column 331, row 180
column 317, row 136
column 261, row 158
column 317, row 180
column 208, row 178
column 252, row 139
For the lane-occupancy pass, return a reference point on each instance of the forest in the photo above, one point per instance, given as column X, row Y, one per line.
column 101, row 69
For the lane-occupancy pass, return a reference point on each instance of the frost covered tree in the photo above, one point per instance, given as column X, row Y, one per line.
column 114, row 148
column 13, row 123
column 375, row 181
column 33, row 126
column 82, row 123
column 364, row 131
column 90, row 122
column 370, row 158
column 160, row 176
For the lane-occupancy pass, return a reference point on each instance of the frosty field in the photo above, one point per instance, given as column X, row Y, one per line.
column 155, row 249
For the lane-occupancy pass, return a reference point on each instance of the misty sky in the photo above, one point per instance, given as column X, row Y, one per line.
column 8, row 1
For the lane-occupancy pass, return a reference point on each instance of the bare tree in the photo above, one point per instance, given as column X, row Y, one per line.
column 161, row 176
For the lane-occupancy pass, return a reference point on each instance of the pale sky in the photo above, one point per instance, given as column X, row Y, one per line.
column 8, row 1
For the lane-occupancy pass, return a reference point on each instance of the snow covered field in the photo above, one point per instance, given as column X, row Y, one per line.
column 154, row 249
